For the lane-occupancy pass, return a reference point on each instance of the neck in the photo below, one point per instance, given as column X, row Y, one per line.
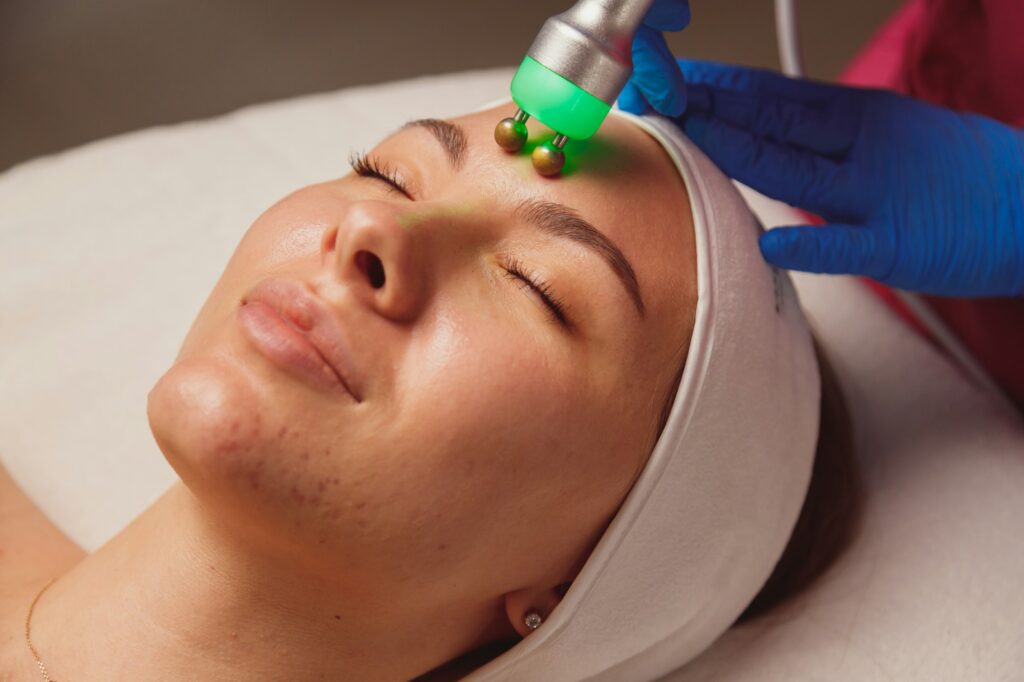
column 175, row 596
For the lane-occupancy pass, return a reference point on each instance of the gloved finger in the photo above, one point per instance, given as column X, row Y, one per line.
column 832, row 249
column 827, row 130
column 632, row 100
column 795, row 176
column 655, row 73
column 758, row 81
column 668, row 15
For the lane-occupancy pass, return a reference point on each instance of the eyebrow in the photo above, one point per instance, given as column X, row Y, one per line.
column 551, row 218
column 561, row 221
column 451, row 136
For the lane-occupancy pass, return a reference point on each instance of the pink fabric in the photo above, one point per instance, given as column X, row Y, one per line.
column 963, row 54
column 967, row 55
column 879, row 63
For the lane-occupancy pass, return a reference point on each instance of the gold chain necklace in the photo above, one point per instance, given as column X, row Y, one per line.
column 28, row 620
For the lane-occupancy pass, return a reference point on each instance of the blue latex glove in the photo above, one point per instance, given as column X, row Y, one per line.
column 665, row 88
column 917, row 196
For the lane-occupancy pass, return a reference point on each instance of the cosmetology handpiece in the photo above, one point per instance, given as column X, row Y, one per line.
column 571, row 76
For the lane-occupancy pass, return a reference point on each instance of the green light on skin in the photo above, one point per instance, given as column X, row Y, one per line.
column 598, row 155
column 412, row 218
column 556, row 102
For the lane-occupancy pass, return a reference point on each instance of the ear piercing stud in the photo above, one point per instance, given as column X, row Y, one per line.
column 533, row 619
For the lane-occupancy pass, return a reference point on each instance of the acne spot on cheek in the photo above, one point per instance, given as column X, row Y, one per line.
column 442, row 547
column 360, row 518
column 254, row 474
column 231, row 442
column 304, row 456
column 235, row 441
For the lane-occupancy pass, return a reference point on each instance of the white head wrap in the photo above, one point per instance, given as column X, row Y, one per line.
column 709, row 516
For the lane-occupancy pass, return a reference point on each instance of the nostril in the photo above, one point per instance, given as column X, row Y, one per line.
column 371, row 266
column 330, row 239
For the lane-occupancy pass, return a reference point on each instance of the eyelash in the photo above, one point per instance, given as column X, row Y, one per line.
column 367, row 166
column 516, row 270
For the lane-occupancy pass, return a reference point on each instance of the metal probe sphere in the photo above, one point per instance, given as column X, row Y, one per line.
column 548, row 158
column 511, row 133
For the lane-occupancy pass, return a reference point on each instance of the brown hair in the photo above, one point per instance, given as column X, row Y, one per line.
column 829, row 518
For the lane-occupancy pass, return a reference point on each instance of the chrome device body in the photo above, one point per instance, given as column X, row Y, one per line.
column 580, row 62
column 589, row 47
column 591, row 44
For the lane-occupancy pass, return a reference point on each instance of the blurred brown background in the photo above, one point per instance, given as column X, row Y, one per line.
column 71, row 72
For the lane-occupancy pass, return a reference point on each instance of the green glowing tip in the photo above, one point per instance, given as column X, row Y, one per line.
column 556, row 102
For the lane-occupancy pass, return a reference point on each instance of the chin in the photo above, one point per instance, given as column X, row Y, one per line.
column 208, row 421
column 221, row 428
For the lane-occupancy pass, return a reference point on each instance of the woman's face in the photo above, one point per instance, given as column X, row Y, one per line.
column 486, row 438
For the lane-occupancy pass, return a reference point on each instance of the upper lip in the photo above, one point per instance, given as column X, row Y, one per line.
column 296, row 303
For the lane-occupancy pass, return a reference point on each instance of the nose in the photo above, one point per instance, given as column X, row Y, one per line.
column 371, row 252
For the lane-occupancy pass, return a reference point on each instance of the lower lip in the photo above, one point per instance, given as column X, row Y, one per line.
column 284, row 346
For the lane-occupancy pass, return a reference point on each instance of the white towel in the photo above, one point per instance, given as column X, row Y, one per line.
column 713, row 509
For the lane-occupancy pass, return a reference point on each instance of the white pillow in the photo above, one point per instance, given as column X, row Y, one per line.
column 108, row 251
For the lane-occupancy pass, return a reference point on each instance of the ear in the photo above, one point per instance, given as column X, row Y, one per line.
column 543, row 600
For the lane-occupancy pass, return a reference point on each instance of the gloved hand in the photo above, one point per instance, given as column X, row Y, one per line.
column 917, row 196
column 663, row 87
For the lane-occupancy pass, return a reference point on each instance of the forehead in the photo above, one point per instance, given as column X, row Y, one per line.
column 621, row 180
column 616, row 173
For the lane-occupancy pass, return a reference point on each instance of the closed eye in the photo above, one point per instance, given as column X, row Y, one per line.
column 558, row 310
column 366, row 166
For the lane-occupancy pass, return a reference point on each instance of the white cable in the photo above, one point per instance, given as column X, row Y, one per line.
column 792, row 65
column 788, row 38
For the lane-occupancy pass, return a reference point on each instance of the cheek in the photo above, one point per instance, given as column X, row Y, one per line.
column 494, row 384
column 286, row 237
column 285, row 233
column 492, row 430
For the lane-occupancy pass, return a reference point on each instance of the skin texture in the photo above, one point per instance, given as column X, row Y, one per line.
column 315, row 537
